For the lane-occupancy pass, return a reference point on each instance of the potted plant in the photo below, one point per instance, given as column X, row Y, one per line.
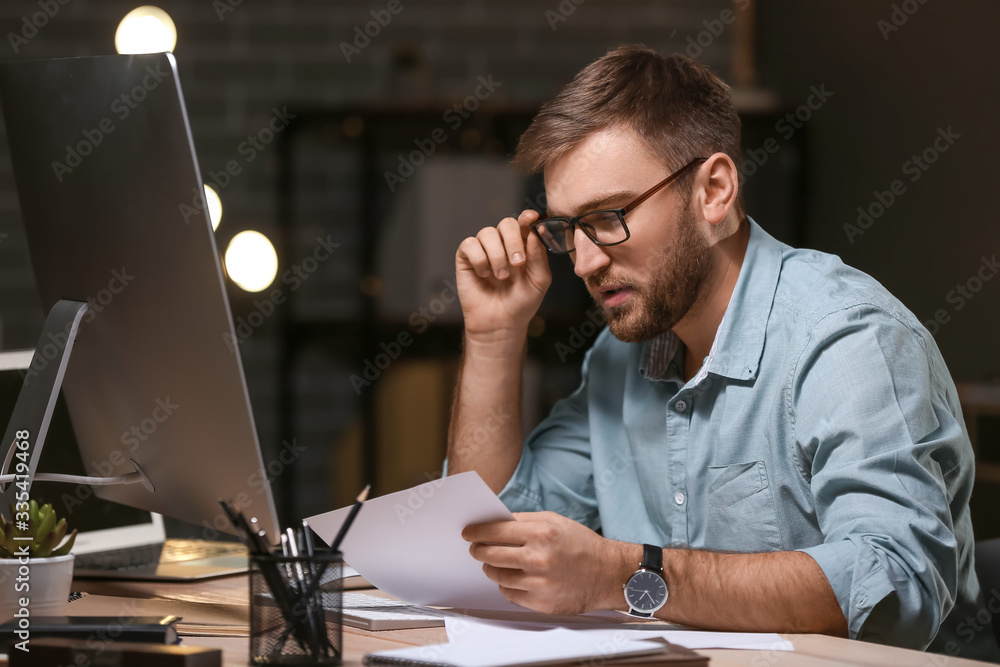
column 36, row 567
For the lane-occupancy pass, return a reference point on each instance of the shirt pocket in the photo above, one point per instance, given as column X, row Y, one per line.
column 741, row 511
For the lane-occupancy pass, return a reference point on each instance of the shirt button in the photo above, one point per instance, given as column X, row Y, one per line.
column 679, row 498
column 681, row 406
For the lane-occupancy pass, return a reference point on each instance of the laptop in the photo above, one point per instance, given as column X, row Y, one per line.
column 113, row 541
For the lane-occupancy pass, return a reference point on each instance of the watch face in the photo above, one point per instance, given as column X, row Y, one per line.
column 646, row 591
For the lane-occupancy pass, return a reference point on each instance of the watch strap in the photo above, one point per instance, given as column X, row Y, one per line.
column 652, row 558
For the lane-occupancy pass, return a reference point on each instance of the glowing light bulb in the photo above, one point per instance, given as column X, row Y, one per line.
column 251, row 261
column 214, row 204
column 146, row 29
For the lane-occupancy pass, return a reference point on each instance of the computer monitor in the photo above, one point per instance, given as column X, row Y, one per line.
column 100, row 524
column 107, row 179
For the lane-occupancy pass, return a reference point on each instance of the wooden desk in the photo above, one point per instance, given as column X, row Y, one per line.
column 810, row 650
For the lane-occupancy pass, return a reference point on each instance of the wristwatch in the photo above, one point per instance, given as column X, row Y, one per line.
column 646, row 591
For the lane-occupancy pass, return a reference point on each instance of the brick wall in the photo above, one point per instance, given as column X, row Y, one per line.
column 240, row 59
column 238, row 62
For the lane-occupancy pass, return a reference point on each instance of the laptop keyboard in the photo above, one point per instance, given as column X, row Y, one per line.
column 177, row 550
column 147, row 555
column 120, row 559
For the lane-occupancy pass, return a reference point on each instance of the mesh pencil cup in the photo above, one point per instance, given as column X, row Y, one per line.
column 295, row 610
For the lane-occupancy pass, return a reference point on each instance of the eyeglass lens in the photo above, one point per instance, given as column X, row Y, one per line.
column 601, row 226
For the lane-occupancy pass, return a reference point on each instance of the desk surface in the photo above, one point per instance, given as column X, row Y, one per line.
column 810, row 650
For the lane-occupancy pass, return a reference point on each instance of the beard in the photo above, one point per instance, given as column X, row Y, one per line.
column 679, row 274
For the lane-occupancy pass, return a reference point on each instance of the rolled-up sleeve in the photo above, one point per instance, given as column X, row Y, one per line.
column 885, row 456
column 555, row 472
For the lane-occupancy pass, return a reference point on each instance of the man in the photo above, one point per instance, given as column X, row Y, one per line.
column 770, row 424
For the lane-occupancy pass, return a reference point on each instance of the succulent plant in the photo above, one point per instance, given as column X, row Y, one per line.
column 45, row 529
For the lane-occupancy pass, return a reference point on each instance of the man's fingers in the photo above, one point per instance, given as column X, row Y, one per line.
column 494, row 532
column 510, row 233
column 537, row 255
column 489, row 238
column 526, row 598
column 508, row 577
column 526, row 219
column 472, row 250
column 498, row 555
column 496, row 249
column 536, row 249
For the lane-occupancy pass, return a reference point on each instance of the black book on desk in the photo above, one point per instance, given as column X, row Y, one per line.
column 155, row 629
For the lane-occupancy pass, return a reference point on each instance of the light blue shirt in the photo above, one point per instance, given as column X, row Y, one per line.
column 823, row 420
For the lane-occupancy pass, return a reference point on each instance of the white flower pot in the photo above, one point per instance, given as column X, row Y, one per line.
column 43, row 582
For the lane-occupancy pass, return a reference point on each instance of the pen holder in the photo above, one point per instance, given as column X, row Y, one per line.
column 295, row 610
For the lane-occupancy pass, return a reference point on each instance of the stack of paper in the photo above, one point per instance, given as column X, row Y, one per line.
column 550, row 647
column 465, row 630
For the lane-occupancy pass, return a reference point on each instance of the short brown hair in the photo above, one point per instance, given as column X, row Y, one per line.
column 677, row 106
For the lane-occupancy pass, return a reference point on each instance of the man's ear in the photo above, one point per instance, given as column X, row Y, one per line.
column 716, row 189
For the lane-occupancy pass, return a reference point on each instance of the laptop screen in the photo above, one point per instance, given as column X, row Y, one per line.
column 76, row 502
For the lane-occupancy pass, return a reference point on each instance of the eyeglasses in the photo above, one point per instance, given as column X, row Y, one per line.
column 605, row 227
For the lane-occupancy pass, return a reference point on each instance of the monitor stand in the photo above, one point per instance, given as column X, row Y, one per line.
column 29, row 423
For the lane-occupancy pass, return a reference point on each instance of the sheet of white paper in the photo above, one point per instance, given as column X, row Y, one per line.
column 465, row 629
column 759, row 641
column 409, row 544
column 559, row 645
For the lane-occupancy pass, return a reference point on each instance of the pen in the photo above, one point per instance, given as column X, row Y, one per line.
column 257, row 546
column 289, row 544
column 307, row 537
column 234, row 518
column 350, row 518
column 260, row 535
column 290, row 540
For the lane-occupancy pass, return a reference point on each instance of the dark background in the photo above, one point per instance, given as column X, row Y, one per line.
column 892, row 92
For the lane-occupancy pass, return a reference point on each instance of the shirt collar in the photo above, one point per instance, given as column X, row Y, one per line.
column 739, row 342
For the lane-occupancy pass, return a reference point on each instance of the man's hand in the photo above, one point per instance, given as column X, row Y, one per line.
column 546, row 562
column 502, row 275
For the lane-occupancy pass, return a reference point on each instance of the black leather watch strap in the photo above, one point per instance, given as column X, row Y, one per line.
column 652, row 558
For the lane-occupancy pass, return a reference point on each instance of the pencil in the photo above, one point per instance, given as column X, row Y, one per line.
column 350, row 518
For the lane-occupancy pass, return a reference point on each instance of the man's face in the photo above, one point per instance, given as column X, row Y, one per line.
column 647, row 284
